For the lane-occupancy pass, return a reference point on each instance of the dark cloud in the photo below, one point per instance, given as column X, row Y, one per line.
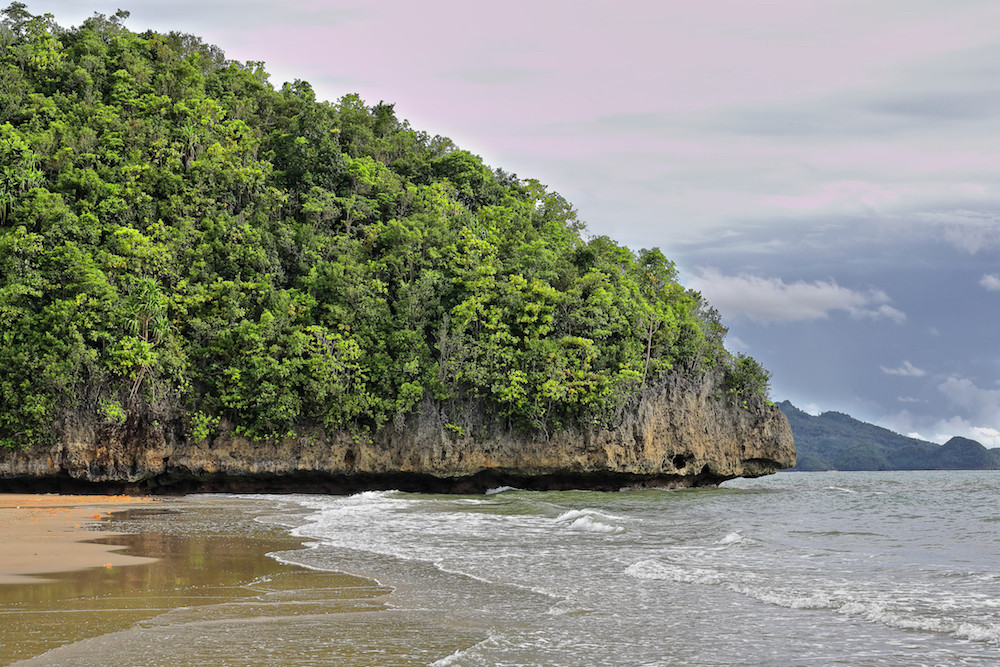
column 796, row 317
column 942, row 105
column 862, row 114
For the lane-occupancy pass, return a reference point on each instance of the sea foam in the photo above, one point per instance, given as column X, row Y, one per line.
column 500, row 489
column 589, row 521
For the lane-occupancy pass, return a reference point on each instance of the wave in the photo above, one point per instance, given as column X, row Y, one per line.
column 921, row 615
column 656, row 569
column 472, row 501
column 475, row 654
column 500, row 489
column 589, row 521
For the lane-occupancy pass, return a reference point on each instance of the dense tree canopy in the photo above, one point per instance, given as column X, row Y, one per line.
column 179, row 238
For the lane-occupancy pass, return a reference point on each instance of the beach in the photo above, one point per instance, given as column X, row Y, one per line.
column 93, row 580
column 887, row 569
column 43, row 534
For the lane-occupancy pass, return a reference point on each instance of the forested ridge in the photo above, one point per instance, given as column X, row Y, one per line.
column 836, row 441
column 180, row 240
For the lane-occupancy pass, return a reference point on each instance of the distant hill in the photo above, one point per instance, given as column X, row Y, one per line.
column 835, row 441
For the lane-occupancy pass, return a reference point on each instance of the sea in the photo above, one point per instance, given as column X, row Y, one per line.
column 835, row 568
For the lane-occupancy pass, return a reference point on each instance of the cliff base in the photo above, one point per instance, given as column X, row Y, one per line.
column 681, row 434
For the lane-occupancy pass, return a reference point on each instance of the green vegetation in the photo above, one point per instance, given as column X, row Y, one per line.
column 746, row 378
column 181, row 241
column 835, row 441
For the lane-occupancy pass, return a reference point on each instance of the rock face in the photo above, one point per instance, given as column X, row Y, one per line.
column 681, row 434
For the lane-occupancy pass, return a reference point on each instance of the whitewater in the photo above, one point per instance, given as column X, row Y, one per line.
column 894, row 568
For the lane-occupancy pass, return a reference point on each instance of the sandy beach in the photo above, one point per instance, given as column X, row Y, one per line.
column 43, row 534
column 176, row 581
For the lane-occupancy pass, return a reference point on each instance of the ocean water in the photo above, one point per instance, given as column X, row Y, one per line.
column 896, row 568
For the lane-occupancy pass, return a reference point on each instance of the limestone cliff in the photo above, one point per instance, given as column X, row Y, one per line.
column 680, row 434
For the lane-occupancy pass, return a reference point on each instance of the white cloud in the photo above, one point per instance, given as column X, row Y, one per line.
column 884, row 311
column 906, row 370
column 972, row 238
column 941, row 430
column 990, row 282
column 946, row 429
column 984, row 404
column 774, row 300
column 736, row 344
column 980, row 407
column 988, row 437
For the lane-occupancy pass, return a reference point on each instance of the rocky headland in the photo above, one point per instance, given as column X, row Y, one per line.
column 211, row 284
column 680, row 434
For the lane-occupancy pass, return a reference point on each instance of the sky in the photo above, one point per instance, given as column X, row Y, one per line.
column 824, row 172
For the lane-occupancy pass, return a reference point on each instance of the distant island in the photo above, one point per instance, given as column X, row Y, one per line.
column 202, row 275
column 836, row 441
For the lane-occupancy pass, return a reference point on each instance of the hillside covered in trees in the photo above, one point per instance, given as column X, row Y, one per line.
column 835, row 441
column 180, row 240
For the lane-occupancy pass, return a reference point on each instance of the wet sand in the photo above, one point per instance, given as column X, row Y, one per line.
column 42, row 534
column 199, row 588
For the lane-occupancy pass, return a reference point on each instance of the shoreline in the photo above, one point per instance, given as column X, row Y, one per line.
column 53, row 533
column 201, row 570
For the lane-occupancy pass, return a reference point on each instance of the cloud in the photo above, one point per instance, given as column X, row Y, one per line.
column 946, row 429
column 990, row 282
column 939, row 105
column 989, row 437
column 841, row 195
column 942, row 430
column 735, row 343
column 773, row 300
column 488, row 75
column 884, row 311
column 964, row 393
column 906, row 370
column 968, row 230
column 980, row 406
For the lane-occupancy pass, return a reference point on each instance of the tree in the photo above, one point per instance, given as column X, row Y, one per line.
column 746, row 378
column 179, row 240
